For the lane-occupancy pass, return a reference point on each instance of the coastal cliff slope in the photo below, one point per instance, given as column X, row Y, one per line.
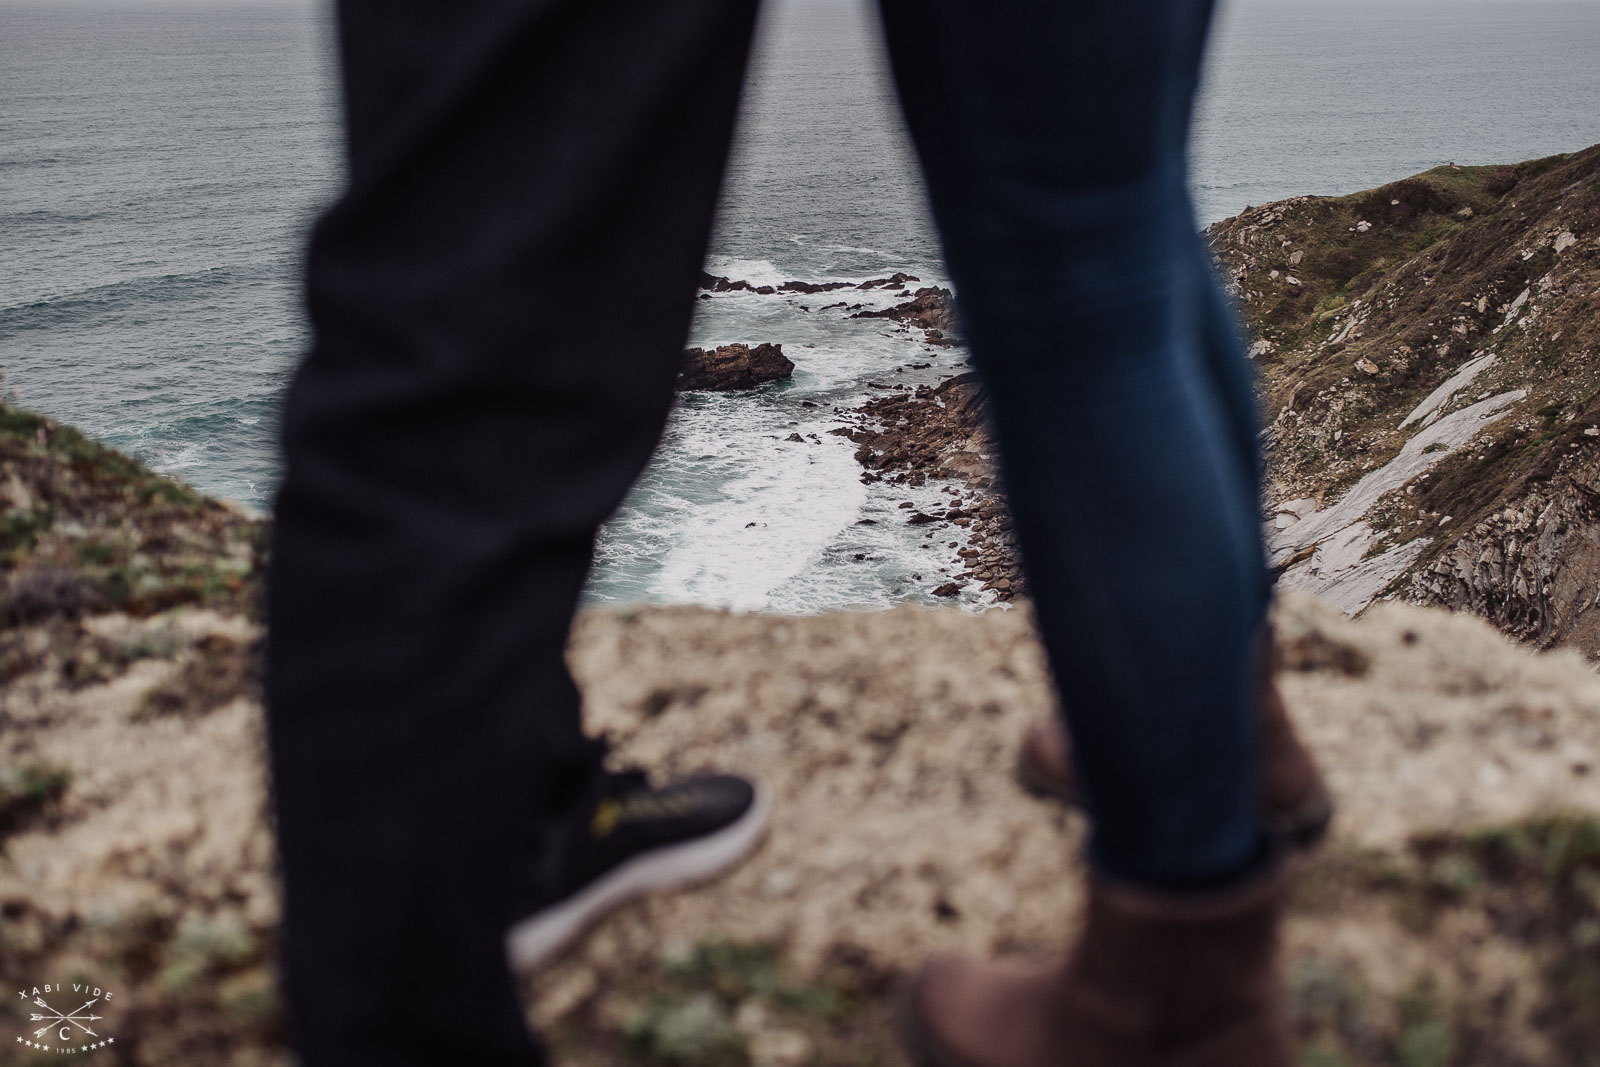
column 1454, row 917
column 1429, row 355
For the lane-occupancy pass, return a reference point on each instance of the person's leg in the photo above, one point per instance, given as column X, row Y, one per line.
column 1048, row 134
column 1051, row 135
column 474, row 405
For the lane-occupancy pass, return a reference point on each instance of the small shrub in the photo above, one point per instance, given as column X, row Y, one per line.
column 27, row 790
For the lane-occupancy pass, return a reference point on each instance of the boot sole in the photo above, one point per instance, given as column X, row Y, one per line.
column 921, row 1047
column 1302, row 827
column 536, row 940
column 1305, row 826
column 1038, row 783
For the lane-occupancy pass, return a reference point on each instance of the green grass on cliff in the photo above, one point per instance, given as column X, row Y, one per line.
column 87, row 529
column 1341, row 261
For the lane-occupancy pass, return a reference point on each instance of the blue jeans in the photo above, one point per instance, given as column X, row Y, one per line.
column 473, row 407
column 1053, row 138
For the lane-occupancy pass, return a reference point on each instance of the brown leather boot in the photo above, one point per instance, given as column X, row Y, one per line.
column 1295, row 804
column 1156, row 980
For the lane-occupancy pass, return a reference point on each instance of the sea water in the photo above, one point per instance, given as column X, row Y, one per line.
column 159, row 167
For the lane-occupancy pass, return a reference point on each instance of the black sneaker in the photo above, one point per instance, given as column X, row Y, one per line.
column 642, row 840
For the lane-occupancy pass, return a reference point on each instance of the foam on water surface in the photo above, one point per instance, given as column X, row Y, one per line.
column 733, row 513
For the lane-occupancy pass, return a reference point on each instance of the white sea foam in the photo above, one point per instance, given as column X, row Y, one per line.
column 772, row 521
column 686, row 533
column 755, row 271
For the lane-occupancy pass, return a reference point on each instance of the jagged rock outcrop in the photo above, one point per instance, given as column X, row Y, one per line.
column 931, row 309
column 813, row 287
column 729, row 368
column 713, row 283
column 906, row 437
column 1428, row 360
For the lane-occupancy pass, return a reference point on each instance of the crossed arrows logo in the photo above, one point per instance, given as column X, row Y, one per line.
column 56, row 1018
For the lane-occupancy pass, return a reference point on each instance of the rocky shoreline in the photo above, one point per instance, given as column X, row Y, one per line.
column 908, row 436
column 1425, row 360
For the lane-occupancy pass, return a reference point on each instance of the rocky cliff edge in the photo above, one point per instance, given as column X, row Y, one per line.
column 1454, row 917
column 1429, row 353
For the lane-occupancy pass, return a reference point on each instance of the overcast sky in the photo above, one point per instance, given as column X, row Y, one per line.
column 314, row 4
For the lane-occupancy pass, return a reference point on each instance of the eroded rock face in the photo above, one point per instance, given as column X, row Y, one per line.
column 813, row 287
column 931, row 309
column 941, row 432
column 1417, row 303
column 713, row 283
column 729, row 368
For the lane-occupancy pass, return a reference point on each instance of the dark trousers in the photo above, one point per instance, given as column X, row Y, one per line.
column 474, row 406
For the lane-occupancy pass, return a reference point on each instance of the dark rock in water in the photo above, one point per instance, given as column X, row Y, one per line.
column 795, row 437
column 812, row 287
column 732, row 367
column 894, row 281
column 948, row 589
column 933, row 310
column 717, row 284
column 919, row 519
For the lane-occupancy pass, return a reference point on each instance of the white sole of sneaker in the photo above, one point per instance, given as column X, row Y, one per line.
column 536, row 940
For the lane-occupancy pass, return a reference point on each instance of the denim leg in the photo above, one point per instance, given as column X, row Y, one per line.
column 1234, row 380
column 1051, row 135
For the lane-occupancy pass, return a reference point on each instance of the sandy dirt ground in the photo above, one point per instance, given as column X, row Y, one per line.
column 1434, row 928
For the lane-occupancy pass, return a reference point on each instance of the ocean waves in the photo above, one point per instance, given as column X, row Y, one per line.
column 753, row 502
column 96, row 303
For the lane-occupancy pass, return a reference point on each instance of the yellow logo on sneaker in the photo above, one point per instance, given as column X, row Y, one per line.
column 605, row 818
column 610, row 812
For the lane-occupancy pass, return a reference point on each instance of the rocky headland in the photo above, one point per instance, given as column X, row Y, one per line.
column 1429, row 357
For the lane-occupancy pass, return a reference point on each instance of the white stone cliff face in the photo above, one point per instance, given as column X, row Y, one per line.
column 1334, row 552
